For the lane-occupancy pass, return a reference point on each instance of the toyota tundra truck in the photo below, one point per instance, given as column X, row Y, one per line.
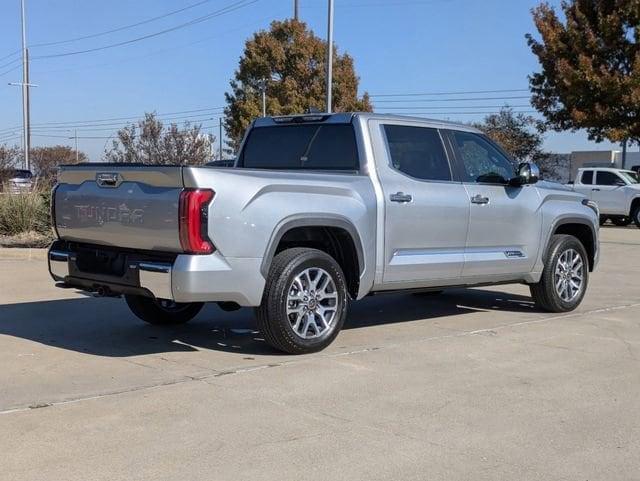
column 615, row 191
column 317, row 211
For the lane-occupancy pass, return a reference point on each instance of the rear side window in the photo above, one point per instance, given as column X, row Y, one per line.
column 587, row 177
column 310, row 146
column 417, row 152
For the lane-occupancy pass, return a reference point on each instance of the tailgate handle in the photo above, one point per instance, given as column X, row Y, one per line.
column 107, row 179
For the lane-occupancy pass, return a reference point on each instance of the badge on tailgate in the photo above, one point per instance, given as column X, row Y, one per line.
column 108, row 179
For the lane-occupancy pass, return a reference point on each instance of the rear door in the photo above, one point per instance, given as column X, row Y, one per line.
column 505, row 222
column 426, row 208
column 125, row 206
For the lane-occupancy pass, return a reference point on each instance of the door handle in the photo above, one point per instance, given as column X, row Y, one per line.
column 401, row 197
column 479, row 199
column 595, row 190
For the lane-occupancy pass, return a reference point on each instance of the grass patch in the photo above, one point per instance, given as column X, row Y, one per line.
column 25, row 213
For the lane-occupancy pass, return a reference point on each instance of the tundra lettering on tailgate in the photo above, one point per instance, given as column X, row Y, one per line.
column 92, row 214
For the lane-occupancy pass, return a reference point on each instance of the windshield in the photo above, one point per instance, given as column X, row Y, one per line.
column 630, row 176
column 307, row 146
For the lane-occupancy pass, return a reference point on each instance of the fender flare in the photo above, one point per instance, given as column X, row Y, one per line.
column 571, row 220
column 311, row 220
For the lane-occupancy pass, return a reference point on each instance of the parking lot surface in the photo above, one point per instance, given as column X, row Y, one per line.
column 470, row 385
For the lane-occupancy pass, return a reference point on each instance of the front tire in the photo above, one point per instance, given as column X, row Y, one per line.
column 621, row 221
column 162, row 312
column 304, row 304
column 636, row 215
column 565, row 276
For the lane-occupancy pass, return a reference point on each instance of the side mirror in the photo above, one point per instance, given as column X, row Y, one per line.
column 527, row 173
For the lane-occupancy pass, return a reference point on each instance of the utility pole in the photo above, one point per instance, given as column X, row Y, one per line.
column 329, row 56
column 624, row 154
column 220, row 138
column 26, row 127
column 296, row 10
column 262, row 86
column 76, row 136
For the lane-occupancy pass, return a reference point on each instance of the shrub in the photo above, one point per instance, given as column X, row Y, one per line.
column 25, row 212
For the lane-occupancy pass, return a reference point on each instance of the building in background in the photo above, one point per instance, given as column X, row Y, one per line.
column 601, row 158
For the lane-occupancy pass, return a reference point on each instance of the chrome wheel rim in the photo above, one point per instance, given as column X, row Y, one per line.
column 312, row 303
column 569, row 275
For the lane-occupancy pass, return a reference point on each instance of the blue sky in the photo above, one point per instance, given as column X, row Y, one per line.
column 400, row 46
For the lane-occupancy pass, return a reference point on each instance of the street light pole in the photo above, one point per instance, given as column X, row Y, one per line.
column 220, row 138
column 296, row 10
column 262, row 86
column 329, row 56
column 77, row 155
column 26, row 127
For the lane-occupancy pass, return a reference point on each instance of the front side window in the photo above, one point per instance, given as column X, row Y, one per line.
column 294, row 147
column 417, row 152
column 481, row 161
column 604, row 177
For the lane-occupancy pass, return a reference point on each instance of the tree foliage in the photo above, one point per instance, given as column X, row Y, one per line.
column 150, row 142
column 521, row 136
column 10, row 158
column 292, row 61
column 590, row 67
column 518, row 134
column 45, row 160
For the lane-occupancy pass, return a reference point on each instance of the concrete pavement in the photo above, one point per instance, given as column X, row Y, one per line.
column 473, row 384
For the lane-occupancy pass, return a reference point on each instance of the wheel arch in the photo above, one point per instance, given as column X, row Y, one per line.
column 333, row 234
column 580, row 228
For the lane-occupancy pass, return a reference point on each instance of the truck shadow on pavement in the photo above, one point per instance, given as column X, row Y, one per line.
column 106, row 327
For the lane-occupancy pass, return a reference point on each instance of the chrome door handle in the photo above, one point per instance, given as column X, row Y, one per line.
column 401, row 197
column 479, row 199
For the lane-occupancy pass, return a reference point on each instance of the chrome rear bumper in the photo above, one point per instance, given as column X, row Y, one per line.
column 154, row 277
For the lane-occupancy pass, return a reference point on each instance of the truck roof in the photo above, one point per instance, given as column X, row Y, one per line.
column 347, row 117
column 605, row 169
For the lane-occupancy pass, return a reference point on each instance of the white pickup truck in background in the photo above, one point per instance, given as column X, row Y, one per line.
column 616, row 191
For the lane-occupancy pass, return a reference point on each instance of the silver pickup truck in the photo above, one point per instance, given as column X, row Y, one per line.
column 317, row 211
column 615, row 191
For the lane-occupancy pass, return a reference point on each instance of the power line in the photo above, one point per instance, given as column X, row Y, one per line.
column 10, row 70
column 9, row 63
column 223, row 11
column 120, row 29
column 11, row 54
column 461, row 99
column 457, row 113
column 468, row 92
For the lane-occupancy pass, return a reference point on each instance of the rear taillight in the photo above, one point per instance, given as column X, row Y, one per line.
column 194, row 221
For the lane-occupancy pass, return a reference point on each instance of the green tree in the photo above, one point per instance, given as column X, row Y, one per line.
column 150, row 142
column 9, row 160
column 521, row 136
column 590, row 67
column 290, row 60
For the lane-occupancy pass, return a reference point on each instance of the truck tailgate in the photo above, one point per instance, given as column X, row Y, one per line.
column 125, row 206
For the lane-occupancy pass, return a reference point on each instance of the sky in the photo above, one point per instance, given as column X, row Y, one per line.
column 399, row 47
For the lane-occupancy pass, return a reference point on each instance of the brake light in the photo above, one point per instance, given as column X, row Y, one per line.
column 194, row 221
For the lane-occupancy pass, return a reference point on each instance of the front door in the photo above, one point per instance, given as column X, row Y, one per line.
column 505, row 222
column 426, row 209
column 608, row 193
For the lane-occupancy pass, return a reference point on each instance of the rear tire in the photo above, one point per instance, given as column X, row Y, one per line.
column 161, row 312
column 304, row 304
column 621, row 221
column 565, row 276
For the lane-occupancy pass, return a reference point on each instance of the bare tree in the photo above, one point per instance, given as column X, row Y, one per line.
column 150, row 142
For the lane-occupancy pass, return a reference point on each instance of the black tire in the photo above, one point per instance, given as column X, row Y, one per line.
column 621, row 221
column 544, row 293
column 162, row 312
column 276, row 326
column 635, row 215
column 603, row 219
